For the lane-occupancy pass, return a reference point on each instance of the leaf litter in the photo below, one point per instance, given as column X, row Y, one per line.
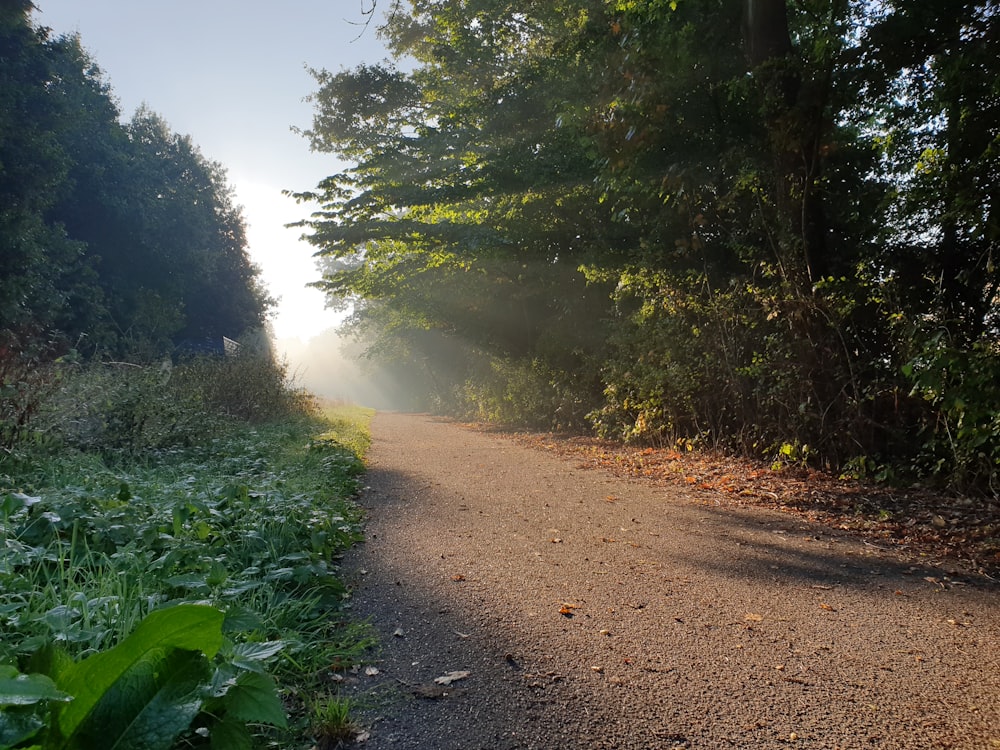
column 451, row 677
column 963, row 531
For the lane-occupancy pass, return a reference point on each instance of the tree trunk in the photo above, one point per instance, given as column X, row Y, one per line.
column 793, row 116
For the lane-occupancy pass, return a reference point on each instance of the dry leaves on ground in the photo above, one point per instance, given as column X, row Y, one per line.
column 964, row 531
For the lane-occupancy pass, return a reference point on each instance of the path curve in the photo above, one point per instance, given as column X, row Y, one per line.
column 592, row 611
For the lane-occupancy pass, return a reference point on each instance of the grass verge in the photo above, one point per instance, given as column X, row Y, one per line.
column 248, row 524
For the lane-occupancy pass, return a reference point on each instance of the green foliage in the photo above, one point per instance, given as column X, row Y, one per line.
column 524, row 394
column 122, row 239
column 244, row 528
column 121, row 407
column 961, row 437
column 690, row 224
column 250, row 386
column 25, row 381
column 144, row 692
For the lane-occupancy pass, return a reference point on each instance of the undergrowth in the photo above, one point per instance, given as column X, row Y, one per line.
column 188, row 588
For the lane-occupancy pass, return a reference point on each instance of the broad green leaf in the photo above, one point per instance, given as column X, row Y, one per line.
column 254, row 697
column 230, row 734
column 190, row 627
column 28, row 689
column 16, row 726
column 157, row 702
column 15, row 501
column 241, row 620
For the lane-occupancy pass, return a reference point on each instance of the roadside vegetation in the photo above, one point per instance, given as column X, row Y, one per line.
column 169, row 540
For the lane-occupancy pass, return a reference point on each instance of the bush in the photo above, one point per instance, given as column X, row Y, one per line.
column 124, row 407
column 961, row 428
column 523, row 394
column 249, row 386
column 25, row 381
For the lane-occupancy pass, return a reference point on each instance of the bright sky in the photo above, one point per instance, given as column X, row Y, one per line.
column 232, row 75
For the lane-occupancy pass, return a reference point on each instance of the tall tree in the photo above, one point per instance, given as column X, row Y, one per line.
column 38, row 263
column 473, row 198
column 789, row 205
column 113, row 237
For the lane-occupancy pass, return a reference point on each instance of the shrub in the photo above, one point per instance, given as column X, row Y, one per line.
column 523, row 394
column 25, row 381
column 961, row 428
column 124, row 407
column 250, row 386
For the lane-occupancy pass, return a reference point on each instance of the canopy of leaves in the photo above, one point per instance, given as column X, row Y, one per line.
column 115, row 237
column 767, row 226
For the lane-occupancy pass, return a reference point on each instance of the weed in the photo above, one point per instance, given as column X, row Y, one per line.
column 331, row 722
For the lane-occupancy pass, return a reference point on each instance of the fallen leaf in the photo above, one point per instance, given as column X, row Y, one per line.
column 754, row 618
column 567, row 609
column 458, row 577
column 451, row 677
column 827, row 607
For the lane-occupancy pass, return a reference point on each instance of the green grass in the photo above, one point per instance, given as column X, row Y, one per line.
column 251, row 522
column 331, row 721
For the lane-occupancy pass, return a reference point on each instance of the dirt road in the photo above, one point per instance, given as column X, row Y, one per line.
column 594, row 612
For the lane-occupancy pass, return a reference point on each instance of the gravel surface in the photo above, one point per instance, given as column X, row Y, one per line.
column 591, row 611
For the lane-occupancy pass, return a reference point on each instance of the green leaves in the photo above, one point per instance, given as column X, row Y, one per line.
column 157, row 671
column 102, row 221
column 24, row 701
column 275, row 499
column 146, row 691
column 26, row 690
column 254, row 697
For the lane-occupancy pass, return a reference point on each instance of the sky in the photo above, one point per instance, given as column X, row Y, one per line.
column 233, row 75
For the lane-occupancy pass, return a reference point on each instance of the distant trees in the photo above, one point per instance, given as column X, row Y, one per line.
column 763, row 225
column 114, row 238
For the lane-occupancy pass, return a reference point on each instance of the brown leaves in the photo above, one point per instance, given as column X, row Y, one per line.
column 451, row 677
column 916, row 520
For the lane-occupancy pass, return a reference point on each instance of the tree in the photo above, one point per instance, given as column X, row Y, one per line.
column 470, row 208
column 38, row 263
column 755, row 224
column 112, row 238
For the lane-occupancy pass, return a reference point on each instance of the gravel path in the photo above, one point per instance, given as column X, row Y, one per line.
column 596, row 612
